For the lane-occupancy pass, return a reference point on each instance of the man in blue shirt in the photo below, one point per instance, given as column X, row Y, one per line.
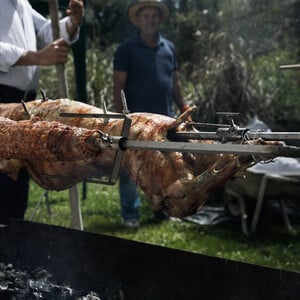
column 145, row 67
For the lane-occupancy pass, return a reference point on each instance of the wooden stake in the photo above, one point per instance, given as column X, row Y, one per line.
column 76, row 217
column 60, row 69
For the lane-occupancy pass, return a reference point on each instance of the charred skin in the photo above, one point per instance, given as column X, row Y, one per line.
column 174, row 182
column 56, row 175
column 43, row 140
column 49, row 148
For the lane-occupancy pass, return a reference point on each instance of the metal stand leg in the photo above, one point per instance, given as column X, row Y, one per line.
column 44, row 195
column 260, row 199
column 243, row 212
column 84, row 190
column 244, row 216
column 49, row 210
column 76, row 217
column 286, row 219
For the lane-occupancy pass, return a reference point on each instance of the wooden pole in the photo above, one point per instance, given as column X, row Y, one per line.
column 76, row 217
column 60, row 69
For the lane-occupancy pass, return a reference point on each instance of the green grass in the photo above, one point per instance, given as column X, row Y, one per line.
column 272, row 245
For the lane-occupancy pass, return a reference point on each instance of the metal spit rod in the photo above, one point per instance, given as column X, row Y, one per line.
column 290, row 67
column 122, row 143
column 240, row 149
column 202, row 135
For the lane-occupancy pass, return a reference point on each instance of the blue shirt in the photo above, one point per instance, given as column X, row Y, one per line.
column 149, row 85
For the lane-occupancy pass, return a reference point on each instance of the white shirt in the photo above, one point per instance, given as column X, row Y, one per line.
column 22, row 29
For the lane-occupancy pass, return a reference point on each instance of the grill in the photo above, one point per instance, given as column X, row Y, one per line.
column 121, row 269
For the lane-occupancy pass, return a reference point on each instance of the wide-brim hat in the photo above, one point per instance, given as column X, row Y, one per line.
column 136, row 7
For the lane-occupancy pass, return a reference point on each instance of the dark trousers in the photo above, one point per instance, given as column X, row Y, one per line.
column 13, row 194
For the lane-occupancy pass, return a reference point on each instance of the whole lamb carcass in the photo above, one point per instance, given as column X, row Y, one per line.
column 177, row 183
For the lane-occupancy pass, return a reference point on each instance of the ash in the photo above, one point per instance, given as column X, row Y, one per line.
column 18, row 284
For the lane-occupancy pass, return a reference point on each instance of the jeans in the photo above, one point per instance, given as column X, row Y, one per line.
column 129, row 198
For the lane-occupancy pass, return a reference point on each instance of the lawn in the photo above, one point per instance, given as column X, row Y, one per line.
column 272, row 245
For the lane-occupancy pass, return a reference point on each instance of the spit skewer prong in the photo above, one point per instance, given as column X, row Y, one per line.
column 125, row 110
column 106, row 120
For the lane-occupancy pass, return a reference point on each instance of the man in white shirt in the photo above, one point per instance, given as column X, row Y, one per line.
column 22, row 29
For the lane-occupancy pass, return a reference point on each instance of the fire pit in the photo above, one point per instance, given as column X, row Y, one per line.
column 36, row 284
column 116, row 268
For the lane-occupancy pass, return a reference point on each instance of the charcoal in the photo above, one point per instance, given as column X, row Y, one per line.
column 36, row 284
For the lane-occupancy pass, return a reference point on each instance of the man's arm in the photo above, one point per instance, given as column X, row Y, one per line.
column 177, row 93
column 54, row 53
column 119, row 81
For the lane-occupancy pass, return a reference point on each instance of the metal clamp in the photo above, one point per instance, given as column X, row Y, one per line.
column 110, row 141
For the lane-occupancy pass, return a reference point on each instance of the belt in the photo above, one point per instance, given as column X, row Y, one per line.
column 10, row 94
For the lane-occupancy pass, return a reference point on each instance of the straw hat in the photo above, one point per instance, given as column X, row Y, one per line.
column 136, row 7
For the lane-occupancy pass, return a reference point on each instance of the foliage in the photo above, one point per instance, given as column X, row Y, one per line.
column 49, row 80
column 225, row 82
column 99, row 77
column 227, row 59
column 271, row 246
column 107, row 21
column 214, row 72
column 277, row 90
column 99, row 72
